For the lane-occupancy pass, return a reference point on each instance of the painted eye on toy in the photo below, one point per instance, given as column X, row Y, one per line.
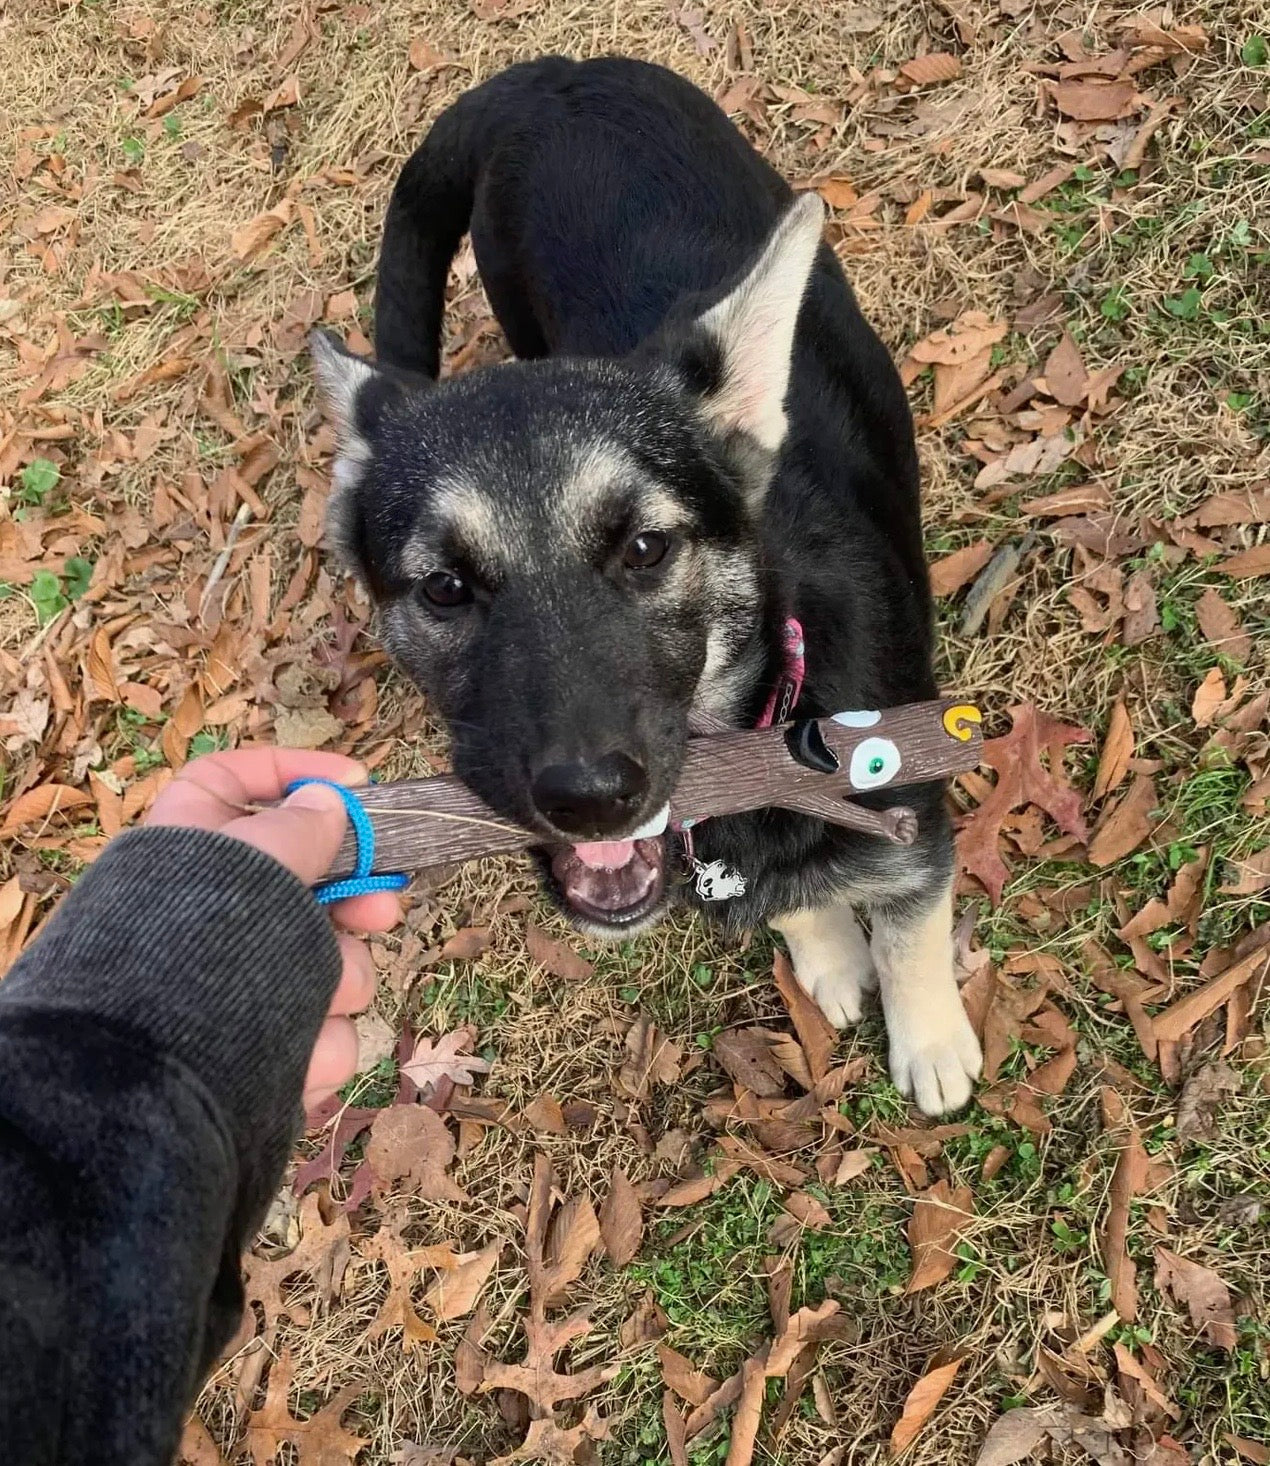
column 875, row 762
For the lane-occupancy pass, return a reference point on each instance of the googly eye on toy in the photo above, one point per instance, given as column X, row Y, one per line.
column 874, row 762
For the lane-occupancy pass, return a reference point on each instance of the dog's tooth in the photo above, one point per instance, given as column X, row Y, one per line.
column 654, row 826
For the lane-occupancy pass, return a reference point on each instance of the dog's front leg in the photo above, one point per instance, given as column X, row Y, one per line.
column 831, row 959
column 934, row 1054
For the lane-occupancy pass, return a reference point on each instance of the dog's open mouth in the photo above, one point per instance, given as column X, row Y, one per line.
column 614, row 883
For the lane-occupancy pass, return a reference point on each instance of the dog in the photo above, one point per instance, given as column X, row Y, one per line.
column 583, row 554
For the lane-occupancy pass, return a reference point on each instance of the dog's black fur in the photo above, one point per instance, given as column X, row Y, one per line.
column 610, row 205
column 609, row 201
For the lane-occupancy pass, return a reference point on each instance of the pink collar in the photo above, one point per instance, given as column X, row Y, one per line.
column 789, row 685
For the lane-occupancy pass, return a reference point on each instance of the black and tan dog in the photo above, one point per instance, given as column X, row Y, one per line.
column 579, row 553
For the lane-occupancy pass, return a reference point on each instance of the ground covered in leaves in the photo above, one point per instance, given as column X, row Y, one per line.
column 639, row 1205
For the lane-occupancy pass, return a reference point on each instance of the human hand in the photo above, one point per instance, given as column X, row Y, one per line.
column 303, row 833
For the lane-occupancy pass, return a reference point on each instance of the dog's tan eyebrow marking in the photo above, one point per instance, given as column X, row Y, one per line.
column 464, row 514
column 600, row 472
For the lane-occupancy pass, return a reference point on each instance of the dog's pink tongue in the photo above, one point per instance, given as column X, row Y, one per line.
column 605, row 854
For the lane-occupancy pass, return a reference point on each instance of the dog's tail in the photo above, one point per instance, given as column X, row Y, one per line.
column 429, row 213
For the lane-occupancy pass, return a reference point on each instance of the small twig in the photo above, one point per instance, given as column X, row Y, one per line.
column 993, row 579
column 222, row 560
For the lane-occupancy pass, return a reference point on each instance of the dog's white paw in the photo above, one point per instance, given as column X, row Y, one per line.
column 837, row 982
column 935, row 1056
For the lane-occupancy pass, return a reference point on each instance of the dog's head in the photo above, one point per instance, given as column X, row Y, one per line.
column 565, row 557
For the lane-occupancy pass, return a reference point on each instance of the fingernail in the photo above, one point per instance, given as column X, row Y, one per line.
column 355, row 777
column 319, row 797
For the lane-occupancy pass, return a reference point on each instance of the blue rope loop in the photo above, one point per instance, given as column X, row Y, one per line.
column 361, row 882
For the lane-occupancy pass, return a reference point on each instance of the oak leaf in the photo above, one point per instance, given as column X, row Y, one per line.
column 444, row 1058
column 321, row 1440
column 1021, row 779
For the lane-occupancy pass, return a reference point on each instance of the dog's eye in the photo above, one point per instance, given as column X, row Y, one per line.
column 445, row 590
column 874, row 762
column 646, row 550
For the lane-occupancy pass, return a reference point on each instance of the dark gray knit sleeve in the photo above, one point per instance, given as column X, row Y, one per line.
column 207, row 949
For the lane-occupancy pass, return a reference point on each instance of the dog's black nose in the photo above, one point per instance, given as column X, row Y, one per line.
column 591, row 799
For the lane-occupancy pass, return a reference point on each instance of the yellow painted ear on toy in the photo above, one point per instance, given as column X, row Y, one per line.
column 958, row 721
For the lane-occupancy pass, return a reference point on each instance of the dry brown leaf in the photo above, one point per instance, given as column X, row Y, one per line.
column 950, row 572
column 939, row 1217
column 1208, row 699
column 455, row 1292
column 621, row 1220
column 816, row 1034
column 1255, row 1451
column 306, row 728
column 1065, row 372
column 1078, row 499
column 1252, row 875
column 424, row 57
column 1180, row 1017
column 676, row 1430
column 920, row 1402
column 1125, row 824
column 1249, row 562
column 412, row 1143
column 651, row 1058
column 836, row 191
column 1096, row 101
column 559, row 958
column 1117, row 750
column 1202, row 1291
column 544, row 1113
column 1222, row 627
column 748, row 1055
column 1021, row 779
column 42, row 803
column 688, row 1193
column 466, row 943
column 968, row 336
column 446, row 1057
column 1202, row 1099
column 1129, row 1179
column 546, row 1442
column 573, row 1236
column 853, row 1163
column 749, row 1414
column 927, row 70
column 536, row 1377
column 1142, row 618
column 321, row 1439
column 810, row 1212
column 248, row 241
column 681, row 1376
column 1018, row 1433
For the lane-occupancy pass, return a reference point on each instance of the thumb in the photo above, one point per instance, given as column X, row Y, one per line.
column 303, row 832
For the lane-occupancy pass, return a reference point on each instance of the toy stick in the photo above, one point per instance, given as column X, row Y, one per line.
column 811, row 766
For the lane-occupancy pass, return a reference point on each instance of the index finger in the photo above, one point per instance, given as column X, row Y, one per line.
column 210, row 791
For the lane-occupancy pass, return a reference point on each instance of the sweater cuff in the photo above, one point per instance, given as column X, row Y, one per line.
column 208, row 949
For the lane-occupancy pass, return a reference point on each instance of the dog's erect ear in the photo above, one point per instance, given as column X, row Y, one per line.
column 355, row 393
column 353, row 390
column 749, row 334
